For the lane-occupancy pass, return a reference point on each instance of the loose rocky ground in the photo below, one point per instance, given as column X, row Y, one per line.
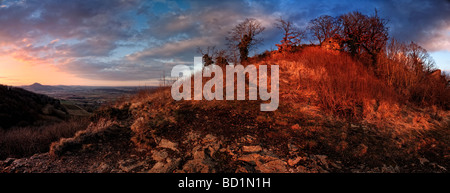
column 112, row 151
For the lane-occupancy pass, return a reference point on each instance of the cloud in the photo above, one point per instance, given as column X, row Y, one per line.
column 426, row 22
column 88, row 22
column 115, row 70
column 138, row 40
column 175, row 49
column 176, row 37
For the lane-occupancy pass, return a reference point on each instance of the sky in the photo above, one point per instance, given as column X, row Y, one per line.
column 135, row 42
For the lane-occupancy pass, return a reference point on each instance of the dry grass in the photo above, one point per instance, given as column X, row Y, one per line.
column 94, row 132
column 332, row 80
column 26, row 141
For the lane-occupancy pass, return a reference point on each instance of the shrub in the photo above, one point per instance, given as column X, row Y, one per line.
column 341, row 84
column 26, row 141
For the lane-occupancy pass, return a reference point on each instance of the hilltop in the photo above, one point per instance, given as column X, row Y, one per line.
column 335, row 115
column 37, row 87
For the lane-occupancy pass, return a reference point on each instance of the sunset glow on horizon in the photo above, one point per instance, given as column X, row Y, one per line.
column 20, row 73
column 134, row 43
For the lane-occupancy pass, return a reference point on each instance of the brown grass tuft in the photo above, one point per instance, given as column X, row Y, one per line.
column 93, row 133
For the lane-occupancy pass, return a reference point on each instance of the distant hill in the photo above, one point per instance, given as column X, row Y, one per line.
column 37, row 87
column 19, row 107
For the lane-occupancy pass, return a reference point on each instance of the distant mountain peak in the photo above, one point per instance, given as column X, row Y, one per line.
column 36, row 84
column 40, row 87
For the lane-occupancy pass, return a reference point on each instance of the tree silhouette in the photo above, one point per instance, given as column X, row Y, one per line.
column 207, row 54
column 324, row 27
column 292, row 36
column 364, row 34
column 244, row 36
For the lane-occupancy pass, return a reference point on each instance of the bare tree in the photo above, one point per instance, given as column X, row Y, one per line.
column 211, row 55
column 392, row 67
column 364, row 34
column 354, row 31
column 221, row 58
column 419, row 59
column 406, row 67
column 292, row 36
column 244, row 36
column 207, row 54
column 324, row 27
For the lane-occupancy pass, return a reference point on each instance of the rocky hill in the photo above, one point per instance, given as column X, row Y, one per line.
column 334, row 115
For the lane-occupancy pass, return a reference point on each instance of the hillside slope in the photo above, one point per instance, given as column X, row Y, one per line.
column 19, row 107
column 334, row 116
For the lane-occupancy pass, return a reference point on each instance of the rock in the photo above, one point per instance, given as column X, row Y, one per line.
column 322, row 160
column 247, row 139
column 211, row 150
column 292, row 147
column 302, row 169
column 335, row 165
column 202, row 161
column 19, row 162
column 251, row 158
column 197, row 166
column 251, row 149
column 191, row 137
column 264, row 163
column 198, row 153
column 275, row 166
column 133, row 168
column 103, row 167
column 241, row 169
column 390, row 169
column 159, row 155
column 164, row 143
column 131, row 165
column 293, row 162
column 209, row 138
column 439, row 167
column 212, row 147
column 8, row 161
column 423, row 160
column 161, row 167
